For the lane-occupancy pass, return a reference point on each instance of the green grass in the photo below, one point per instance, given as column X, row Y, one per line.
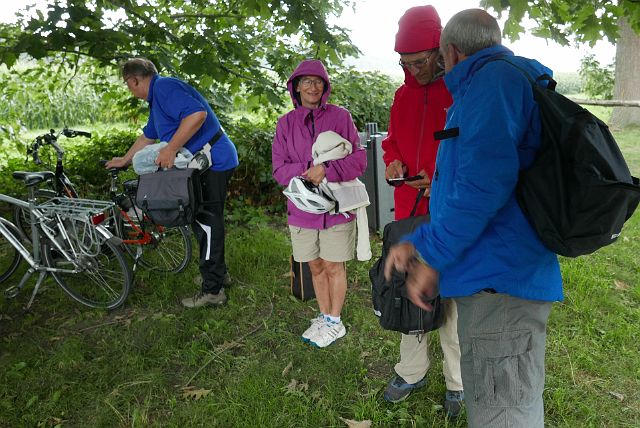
column 153, row 363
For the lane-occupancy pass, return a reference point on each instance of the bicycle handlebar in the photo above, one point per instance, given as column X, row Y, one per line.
column 52, row 139
column 71, row 133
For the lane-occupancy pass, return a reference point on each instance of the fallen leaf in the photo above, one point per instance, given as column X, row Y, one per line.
column 292, row 387
column 621, row 285
column 287, row 369
column 619, row 396
column 288, row 274
column 356, row 424
column 625, row 239
column 193, row 393
column 364, row 355
column 296, row 388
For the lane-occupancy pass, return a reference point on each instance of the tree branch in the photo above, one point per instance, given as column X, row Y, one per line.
column 617, row 103
column 205, row 16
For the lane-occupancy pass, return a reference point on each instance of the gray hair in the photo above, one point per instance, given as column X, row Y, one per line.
column 471, row 30
column 140, row 67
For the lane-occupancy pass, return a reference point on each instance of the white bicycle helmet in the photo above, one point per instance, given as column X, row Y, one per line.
column 308, row 197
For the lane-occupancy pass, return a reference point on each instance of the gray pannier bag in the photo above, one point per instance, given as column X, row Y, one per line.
column 170, row 197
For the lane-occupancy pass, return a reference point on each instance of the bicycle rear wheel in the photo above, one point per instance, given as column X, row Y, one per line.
column 104, row 280
column 10, row 258
column 169, row 249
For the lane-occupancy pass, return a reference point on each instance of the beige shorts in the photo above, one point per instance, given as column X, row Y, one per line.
column 335, row 244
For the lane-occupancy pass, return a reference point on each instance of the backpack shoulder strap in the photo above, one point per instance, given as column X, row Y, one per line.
column 543, row 77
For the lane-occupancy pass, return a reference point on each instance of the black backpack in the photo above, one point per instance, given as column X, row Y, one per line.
column 578, row 192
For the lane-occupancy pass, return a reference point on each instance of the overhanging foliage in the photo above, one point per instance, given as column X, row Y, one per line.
column 221, row 43
column 588, row 21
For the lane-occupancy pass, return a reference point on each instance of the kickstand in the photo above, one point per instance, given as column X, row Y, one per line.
column 39, row 282
column 13, row 291
column 137, row 258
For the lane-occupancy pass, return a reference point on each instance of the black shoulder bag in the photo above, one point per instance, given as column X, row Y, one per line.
column 390, row 301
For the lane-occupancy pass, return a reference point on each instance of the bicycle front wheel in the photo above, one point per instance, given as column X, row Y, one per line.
column 9, row 257
column 103, row 281
column 161, row 249
column 169, row 251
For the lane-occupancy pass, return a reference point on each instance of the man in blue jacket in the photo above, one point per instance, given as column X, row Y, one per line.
column 479, row 248
column 181, row 116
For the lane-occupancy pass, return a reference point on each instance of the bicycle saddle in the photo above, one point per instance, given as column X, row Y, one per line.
column 33, row 178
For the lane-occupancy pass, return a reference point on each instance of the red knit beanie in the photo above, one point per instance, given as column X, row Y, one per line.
column 418, row 30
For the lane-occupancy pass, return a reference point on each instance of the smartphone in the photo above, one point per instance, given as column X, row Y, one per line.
column 403, row 179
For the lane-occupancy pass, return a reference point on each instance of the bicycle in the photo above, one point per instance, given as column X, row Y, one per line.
column 69, row 242
column 154, row 247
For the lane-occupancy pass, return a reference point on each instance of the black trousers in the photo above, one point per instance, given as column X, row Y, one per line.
column 209, row 229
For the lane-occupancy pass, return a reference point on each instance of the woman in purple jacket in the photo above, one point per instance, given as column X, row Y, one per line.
column 326, row 241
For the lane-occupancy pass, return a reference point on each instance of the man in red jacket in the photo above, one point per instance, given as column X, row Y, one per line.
column 419, row 109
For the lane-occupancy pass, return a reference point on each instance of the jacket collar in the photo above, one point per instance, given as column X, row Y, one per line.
column 460, row 76
column 304, row 112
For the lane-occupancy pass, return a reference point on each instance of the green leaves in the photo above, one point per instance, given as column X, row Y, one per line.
column 558, row 20
column 252, row 42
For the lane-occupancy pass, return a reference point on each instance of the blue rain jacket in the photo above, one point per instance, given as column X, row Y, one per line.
column 478, row 237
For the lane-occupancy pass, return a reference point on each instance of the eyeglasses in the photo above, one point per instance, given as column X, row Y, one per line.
column 306, row 83
column 417, row 64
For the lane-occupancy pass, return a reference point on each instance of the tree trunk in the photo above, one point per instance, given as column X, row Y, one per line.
column 627, row 82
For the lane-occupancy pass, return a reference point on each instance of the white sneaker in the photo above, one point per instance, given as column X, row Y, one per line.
column 328, row 333
column 316, row 323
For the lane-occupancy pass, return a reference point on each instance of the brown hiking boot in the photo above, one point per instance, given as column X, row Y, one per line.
column 205, row 299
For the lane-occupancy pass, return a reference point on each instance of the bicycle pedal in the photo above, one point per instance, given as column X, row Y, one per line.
column 11, row 292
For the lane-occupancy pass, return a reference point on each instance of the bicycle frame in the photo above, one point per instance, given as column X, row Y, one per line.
column 146, row 237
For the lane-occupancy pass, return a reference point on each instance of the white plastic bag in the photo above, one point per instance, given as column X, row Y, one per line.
column 144, row 161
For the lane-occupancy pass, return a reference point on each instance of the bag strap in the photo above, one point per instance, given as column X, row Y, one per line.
column 415, row 205
column 207, row 147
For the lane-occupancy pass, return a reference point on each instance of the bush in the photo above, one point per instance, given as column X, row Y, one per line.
column 82, row 159
column 81, row 162
column 568, row 83
column 252, row 183
column 367, row 95
column 598, row 80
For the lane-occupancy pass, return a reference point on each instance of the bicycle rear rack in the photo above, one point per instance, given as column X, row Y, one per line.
column 78, row 209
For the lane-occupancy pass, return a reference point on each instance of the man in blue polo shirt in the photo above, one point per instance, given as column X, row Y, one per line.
column 182, row 117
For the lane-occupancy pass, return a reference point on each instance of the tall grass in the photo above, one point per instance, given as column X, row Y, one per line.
column 45, row 94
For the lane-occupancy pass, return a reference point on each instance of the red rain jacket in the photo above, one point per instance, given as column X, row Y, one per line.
column 417, row 112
